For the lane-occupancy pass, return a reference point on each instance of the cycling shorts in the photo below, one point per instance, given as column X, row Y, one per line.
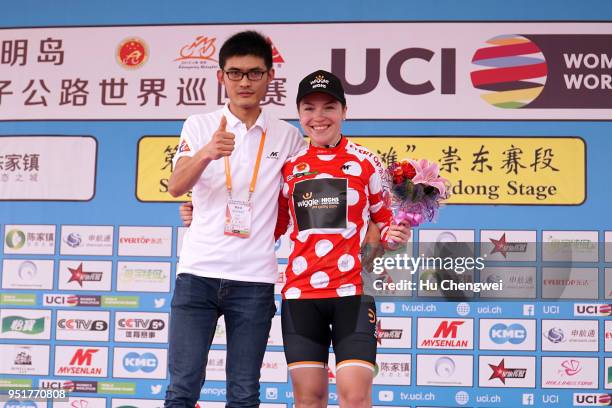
column 348, row 323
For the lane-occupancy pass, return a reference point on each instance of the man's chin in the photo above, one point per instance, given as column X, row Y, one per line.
column 245, row 103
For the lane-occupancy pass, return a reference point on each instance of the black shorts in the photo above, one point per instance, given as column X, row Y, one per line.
column 348, row 323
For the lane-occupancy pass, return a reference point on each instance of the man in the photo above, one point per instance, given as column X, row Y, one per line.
column 231, row 159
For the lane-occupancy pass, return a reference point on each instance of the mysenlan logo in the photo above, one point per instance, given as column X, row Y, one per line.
column 23, row 325
column 513, row 334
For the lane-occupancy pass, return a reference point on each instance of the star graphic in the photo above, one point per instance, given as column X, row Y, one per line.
column 499, row 371
column 379, row 332
column 499, row 245
column 77, row 274
column 330, row 374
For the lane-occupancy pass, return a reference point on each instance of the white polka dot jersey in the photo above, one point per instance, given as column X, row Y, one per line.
column 330, row 194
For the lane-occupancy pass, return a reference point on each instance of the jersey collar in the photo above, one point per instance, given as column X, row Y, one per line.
column 233, row 121
column 329, row 150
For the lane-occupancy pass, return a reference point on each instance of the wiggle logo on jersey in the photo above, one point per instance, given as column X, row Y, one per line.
column 321, row 203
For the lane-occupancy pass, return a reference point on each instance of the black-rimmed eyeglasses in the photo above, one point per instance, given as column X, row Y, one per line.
column 237, row 75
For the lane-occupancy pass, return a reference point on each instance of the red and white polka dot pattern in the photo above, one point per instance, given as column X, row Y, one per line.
column 325, row 262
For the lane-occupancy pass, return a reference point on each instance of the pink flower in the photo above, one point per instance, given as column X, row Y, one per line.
column 428, row 173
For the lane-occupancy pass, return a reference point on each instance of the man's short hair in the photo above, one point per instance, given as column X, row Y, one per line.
column 246, row 43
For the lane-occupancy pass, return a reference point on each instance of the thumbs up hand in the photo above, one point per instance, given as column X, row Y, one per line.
column 222, row 142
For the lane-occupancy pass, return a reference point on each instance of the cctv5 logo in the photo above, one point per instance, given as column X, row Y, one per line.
column 144, row 324
column 146, row 362
column 513, row 334
column 82, row 324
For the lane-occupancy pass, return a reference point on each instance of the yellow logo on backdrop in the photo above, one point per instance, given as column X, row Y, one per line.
column 154, row 168
column 482, row 170
column 497, row 170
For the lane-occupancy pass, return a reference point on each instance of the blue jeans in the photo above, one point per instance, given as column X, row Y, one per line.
column 197, row 303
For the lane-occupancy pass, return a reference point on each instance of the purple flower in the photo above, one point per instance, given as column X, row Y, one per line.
column 428, row 173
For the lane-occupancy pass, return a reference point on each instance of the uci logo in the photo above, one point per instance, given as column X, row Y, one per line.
column 307, row 196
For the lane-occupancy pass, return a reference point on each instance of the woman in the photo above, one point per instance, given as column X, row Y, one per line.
column 330, row 192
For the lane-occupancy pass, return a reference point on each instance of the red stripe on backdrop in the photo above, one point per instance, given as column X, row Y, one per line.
column 505, row 51
column 492, row 76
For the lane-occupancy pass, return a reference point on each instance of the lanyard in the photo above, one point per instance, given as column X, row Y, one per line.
column 228, row 173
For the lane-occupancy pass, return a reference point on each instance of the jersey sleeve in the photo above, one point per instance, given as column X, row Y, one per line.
column 282, row 222
column 188, row 144
column 380, row 212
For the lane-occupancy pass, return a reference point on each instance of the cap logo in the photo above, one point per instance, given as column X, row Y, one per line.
column 319, row 82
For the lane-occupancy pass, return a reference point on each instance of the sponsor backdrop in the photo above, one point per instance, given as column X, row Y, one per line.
column 513, row 102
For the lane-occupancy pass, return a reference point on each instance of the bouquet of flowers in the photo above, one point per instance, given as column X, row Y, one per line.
column 416, row 191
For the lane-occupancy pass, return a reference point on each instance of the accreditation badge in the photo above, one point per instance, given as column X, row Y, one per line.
column 238, row 218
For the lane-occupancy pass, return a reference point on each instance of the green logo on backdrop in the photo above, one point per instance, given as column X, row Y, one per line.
column 11, row 384
column 15, row 239
column 116, row 388
column 20, row 299
column 120, row 301
column 23, row 325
